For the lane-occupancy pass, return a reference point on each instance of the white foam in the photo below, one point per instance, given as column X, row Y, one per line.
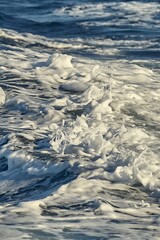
column 134, row 12
column 59, row 61
column 104, row 94
column 2, row 96
column 91, row 152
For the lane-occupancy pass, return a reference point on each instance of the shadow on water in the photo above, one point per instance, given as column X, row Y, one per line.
column 36, row 188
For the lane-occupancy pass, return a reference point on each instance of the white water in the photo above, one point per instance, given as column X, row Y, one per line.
column 80, row 136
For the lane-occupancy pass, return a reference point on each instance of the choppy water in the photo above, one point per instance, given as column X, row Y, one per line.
column 79, row 119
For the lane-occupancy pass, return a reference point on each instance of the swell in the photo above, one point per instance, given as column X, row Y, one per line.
column 49, row 29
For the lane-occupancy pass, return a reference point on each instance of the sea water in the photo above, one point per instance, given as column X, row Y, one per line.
column 79, row 119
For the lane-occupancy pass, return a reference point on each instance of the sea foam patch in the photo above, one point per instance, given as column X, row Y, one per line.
column 79, row 136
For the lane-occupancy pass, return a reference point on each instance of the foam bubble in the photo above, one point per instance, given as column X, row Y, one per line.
column 73, row 86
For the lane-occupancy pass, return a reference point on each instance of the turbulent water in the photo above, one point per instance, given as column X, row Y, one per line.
column 79, row 119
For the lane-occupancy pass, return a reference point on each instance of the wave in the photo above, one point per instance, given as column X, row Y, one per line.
column 79, row 124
